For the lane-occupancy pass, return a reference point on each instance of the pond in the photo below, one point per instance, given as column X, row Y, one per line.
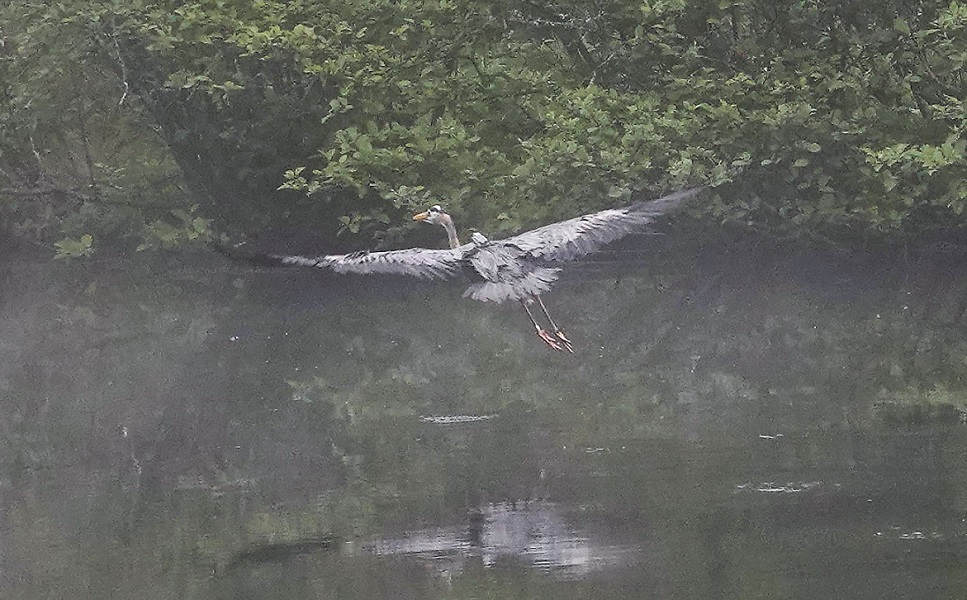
column 739, row 420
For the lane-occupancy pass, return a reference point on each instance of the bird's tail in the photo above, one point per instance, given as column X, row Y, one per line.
column 665, row 204
column 536, row 281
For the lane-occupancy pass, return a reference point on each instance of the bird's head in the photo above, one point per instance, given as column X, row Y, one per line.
column 435, row 215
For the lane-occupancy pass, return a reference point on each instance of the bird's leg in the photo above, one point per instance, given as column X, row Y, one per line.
column 548, row 338
column 557, row 330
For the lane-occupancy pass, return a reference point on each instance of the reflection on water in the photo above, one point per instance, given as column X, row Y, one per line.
column 532, row 533
column 772, row 487
column 790, row 430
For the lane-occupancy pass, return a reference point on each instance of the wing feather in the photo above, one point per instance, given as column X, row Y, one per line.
column 423, row 263
column 574, row 238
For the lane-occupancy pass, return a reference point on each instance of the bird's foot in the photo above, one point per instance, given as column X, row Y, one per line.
column 566, row 343
column 549, row 339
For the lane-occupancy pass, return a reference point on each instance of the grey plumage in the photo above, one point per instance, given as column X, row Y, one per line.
column 503, row 271
column 574, row 238
column 423, row 263
column 515, row 268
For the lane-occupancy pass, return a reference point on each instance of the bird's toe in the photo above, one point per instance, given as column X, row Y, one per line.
column 565, row 342
column 549, row 340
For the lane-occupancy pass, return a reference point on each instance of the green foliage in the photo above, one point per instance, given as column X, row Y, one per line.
column 180, row 228
column 75, row 158
column 811, row 118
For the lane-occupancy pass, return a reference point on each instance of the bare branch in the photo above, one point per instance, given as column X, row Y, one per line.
column 124, row 68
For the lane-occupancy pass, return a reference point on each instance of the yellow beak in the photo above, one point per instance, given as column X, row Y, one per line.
column 423, row 216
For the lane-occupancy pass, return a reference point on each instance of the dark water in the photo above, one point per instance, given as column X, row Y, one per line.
column 735, row 424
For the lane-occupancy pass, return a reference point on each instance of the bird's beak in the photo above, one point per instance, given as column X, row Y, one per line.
column 423, row 216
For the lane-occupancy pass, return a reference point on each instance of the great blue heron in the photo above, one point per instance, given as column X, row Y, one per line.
column 516, row 268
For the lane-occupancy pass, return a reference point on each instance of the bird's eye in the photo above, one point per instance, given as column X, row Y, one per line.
column 436, row 208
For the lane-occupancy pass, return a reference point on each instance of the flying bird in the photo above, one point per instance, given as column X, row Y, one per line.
column 518, row 268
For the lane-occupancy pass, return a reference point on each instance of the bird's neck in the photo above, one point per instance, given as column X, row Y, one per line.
column 451, row 233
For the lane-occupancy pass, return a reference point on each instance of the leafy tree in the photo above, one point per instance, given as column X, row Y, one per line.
column 74, row 158
column 842, row 118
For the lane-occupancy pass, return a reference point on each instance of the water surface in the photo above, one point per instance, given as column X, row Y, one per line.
column 736, row 423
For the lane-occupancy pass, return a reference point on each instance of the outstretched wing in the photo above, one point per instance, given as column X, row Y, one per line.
column 423, row 263
column 574, row 238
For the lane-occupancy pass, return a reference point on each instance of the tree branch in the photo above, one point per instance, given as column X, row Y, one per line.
column 42, row 194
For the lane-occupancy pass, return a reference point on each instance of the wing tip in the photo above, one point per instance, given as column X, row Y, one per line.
column 667, row 203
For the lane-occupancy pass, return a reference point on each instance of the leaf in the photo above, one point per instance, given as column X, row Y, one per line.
column 74, row 248
column 616, row 191
column 889, row 181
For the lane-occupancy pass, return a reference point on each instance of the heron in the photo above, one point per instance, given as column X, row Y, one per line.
column 520, row 268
